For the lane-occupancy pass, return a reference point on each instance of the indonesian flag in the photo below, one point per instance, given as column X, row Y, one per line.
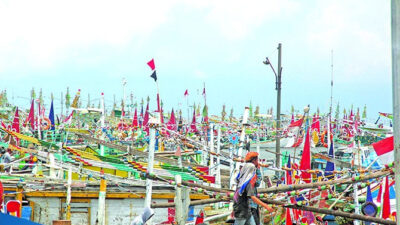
column 297, row 123
column 384, row 149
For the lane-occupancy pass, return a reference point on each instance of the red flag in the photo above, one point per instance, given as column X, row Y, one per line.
column 146, row 119
column 1, row 195
column 305, row 163
column 151, row 64
column 193, row 127
column 204, row 91
column 171, row 125
column 288, row 217
column 135, row 123
column 379, row 197
column 31, row 116
column 297, row 123
column 186, row 93
column 386, row 200
column 200, row 218
column 15, row 125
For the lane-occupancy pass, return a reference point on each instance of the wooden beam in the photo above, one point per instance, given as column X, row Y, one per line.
column 285, row 188
column 192, row 203
column 92, row 194
column 331, row 212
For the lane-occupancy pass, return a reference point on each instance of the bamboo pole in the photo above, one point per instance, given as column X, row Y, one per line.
column 134, row 152
column 285, row 188
column 149, row 182
column 331, row 212
column 206, row 187
column 192, row 203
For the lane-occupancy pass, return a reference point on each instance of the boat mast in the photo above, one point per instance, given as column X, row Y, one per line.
column 330, row 107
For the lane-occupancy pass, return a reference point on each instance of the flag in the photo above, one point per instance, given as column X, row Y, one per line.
column 200, row 218
column 288, row 217
column 297, row 123
column 51, row 116
column 379, row 197
column 384, row 149
column 171, row 125
column 330, row 166
column 1, row 195
column 205, row 113
column 292, row 120
column 178, row 151
column 186, row 93
column 386, row 200
column 31, row 116
column 141, row 116
column 135, row 123
column 204, row 91
column 289, row 173
column 369, row 194
column 146, row 119
column 15, row 124
column 193, row 127
column 305, row 163
column 154, row 76
column 68, row 120
column 151, row 64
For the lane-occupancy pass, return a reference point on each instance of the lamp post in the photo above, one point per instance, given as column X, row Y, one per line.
column 278, row 104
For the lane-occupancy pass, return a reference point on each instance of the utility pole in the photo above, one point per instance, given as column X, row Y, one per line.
column 278, row 109
column 278, row 83
column 395, row 8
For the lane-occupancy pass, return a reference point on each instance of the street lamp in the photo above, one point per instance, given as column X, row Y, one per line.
column 278, row 83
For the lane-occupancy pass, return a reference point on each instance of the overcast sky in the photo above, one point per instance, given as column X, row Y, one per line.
column 92, row 45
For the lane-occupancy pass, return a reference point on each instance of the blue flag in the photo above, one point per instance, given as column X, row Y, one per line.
column 330, row 166
column 51, row 116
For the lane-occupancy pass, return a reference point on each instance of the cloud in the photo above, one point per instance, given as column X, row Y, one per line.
column 38, row 33
column 235, row 19
column 356, row 32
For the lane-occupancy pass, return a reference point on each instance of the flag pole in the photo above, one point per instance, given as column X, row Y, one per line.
column 395, row 10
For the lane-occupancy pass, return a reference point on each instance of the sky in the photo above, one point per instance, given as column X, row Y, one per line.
column 93, row 45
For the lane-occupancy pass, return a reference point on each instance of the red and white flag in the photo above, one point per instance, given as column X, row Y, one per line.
column 68, row 120
column 385, row 150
